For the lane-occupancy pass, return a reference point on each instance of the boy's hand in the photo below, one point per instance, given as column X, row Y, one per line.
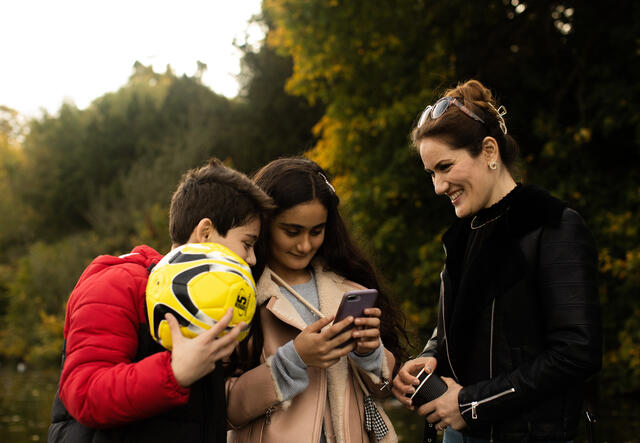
column 318, row 348
column 367, row 331
column 193, row 358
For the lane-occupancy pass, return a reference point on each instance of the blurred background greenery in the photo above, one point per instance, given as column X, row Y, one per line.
column 341, row 82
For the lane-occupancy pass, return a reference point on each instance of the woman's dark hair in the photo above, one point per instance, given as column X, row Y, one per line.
column 460, row 131
column 291, row 181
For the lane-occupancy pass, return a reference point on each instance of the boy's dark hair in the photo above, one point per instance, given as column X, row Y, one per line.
column 214, row 191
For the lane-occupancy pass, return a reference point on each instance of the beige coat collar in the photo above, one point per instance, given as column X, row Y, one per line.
column 328, row 285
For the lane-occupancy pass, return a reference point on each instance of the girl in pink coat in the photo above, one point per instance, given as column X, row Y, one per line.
column 295, row 382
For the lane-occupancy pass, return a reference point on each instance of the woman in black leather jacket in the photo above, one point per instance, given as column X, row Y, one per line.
column 519, row 327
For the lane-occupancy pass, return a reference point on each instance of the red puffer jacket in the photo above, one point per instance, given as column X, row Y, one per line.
column 99, row 385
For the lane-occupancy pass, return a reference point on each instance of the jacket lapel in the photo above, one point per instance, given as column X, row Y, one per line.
column 328, row 287
column 269, row 292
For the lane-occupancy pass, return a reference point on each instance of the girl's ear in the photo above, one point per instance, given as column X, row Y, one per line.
column 203, row 232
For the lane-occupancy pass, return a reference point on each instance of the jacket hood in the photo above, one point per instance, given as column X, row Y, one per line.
column 141, row 255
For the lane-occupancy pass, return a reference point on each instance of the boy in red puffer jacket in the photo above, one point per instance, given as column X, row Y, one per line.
column 117, row 383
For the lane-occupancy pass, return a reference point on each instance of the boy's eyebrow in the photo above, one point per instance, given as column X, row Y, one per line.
column 252, row 237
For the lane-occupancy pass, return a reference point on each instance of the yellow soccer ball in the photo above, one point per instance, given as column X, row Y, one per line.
column 197, row 283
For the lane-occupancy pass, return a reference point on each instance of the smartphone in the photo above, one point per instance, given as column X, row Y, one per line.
column 431, row 387
column 354, row 303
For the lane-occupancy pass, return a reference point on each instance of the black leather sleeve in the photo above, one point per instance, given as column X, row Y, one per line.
column 566, row 282
column 431, row 348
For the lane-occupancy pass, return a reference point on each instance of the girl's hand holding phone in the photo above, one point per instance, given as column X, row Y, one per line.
column 367, row 331
column 321, row 348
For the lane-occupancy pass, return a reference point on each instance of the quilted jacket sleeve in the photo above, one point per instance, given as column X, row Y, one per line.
column 100, row 385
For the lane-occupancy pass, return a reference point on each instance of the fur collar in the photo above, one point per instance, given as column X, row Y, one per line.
column 531, row 207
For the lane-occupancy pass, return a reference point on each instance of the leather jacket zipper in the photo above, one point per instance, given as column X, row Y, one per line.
column 474, row 404
column 444, row 328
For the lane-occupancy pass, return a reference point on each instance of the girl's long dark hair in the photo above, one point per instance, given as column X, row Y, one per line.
column 294, row 180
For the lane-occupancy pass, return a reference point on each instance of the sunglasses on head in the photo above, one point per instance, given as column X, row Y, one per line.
column 440, row 107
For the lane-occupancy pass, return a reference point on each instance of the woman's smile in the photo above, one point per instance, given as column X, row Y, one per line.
column 455, row 196
column 467, row 181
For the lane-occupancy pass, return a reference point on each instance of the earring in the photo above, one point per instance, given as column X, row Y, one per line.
column 493, row 165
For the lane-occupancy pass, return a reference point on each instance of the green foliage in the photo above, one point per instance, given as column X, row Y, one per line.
column 624, row 361
column 51, row 181
column 271, row 123
column 567, row 73
column 13, row 232
column 191, row 127
column 75, row 155
column 37, row 290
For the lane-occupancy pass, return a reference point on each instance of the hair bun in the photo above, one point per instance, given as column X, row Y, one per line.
column 476, row 94
column 473, row 91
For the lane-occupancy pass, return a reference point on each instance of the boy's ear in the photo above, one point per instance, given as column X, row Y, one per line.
column 203, row 232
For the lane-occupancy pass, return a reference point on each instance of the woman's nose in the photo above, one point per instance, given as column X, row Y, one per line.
column 440, row 185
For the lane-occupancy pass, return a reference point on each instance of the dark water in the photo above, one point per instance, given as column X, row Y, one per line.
column 25, row 410
column 25, row 404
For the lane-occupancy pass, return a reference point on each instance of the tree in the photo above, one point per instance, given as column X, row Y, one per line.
column 73, row 156
column 14, row 233
column 269, row 121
